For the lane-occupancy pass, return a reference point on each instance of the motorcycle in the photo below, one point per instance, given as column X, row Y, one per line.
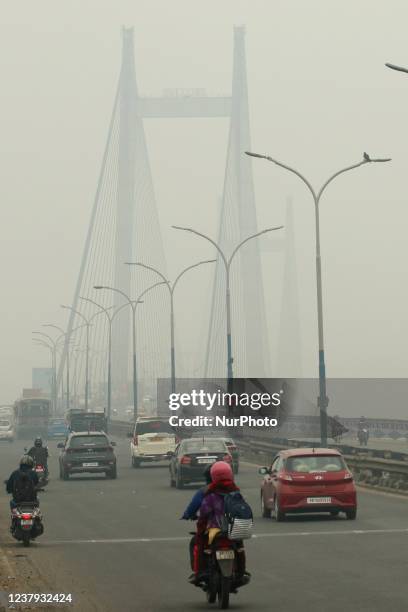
column 362, row 436
column 26, row 522
column 222, row 570
column 42, row 478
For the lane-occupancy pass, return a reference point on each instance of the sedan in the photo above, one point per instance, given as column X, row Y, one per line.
column 306, row 480
column 192, row 456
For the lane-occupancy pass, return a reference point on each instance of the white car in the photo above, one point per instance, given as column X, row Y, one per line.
column 6, row 430
column 152, row 440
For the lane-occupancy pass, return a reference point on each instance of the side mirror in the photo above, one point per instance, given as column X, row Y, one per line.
column 129, row 434
column 60, row 445
column 263, row 471
column 113, row 443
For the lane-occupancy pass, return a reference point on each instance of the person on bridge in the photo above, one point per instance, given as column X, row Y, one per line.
column 211, row 513
column 23, row 482
column 40, row 454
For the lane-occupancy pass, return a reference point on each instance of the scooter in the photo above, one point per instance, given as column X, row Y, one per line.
column 26, row 522
column 42, row 478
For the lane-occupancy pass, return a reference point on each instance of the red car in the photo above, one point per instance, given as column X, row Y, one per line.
column 308, row 480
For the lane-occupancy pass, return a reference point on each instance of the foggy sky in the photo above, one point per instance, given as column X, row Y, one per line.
column 319, row 96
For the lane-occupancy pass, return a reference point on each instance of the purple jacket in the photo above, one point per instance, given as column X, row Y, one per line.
column 212, row 508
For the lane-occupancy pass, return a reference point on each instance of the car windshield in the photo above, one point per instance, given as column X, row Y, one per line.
column 4, row 423
column 199, row 446
column 153, row 427
column 78, row 441
column 315, row 463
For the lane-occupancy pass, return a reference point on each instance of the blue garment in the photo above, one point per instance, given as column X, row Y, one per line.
column 193, row 507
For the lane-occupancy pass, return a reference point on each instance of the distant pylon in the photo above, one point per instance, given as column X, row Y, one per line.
column 238, row 219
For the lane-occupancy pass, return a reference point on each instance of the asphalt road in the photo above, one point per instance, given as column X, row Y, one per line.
column 118, row 545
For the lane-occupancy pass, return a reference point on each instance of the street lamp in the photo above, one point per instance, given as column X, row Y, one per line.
column 133, row 304
column 322, row 399
column 64, row 334
column 87, row 324
column 53, row 349
column 398, row 68
column 171, row 287
column 227, row 263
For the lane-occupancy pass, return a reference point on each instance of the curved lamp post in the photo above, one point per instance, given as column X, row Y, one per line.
column 316, row 195
column 171, row 287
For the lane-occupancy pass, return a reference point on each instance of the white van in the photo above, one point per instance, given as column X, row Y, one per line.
column 6, row 429
column 152, row 440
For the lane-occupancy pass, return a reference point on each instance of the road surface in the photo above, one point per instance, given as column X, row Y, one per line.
column 118, row 545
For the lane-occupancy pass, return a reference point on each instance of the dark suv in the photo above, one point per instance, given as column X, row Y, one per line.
column 87, row 452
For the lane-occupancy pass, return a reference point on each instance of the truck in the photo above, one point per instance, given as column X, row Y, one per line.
column 81, row 420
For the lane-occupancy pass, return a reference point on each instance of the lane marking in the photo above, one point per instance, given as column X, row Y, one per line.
column 284, row 534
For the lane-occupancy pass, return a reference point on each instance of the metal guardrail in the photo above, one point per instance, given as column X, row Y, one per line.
column 358, row 458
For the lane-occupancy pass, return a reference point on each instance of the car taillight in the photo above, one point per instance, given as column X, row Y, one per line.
column 185, row 459
column 135, row 441
column 227, row 458
column 285, row 478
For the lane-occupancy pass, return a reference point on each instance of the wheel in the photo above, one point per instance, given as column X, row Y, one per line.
column 351, row 514
column 266, row 512
column 135, row 462
column 224, row 592
column 172, row 481
column 26, row 540
column 211, row 591
column 113, row 473
column 334, row 512
column 179, row 482
column 279, row 515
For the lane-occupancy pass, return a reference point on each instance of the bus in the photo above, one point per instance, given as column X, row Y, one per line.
column 31, row 416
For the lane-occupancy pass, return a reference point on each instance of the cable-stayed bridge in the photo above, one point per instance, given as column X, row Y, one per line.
column 124, row 226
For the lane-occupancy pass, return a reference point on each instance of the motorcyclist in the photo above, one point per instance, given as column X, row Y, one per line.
column 25, row 469
column 212, row 509
column 40, row 454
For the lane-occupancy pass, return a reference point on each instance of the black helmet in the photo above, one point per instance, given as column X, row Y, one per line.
column 38, row 442
column 27, row 461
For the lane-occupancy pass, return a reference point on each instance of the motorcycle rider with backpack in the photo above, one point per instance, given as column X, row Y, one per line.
column 22, row 483
column 221, row 496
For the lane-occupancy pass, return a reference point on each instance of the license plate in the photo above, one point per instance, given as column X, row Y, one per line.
column 26, row 522
column 319, row 500
column 224, row 554
column 158, row 439
column 206, row 460
column 92, row 464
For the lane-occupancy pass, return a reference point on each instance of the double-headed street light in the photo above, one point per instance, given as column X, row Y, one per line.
column 133, row 304
column 322, row 399
column 171, row 287
column 53, row 348
column 227, row 263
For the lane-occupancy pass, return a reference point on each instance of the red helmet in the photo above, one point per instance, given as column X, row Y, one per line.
column 221, row 470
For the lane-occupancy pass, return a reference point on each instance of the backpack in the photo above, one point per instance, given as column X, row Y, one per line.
column 237, row 521
column 23, row 488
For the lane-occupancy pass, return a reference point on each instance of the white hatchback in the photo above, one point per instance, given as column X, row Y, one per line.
column 152, row 440
column 6, row 430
